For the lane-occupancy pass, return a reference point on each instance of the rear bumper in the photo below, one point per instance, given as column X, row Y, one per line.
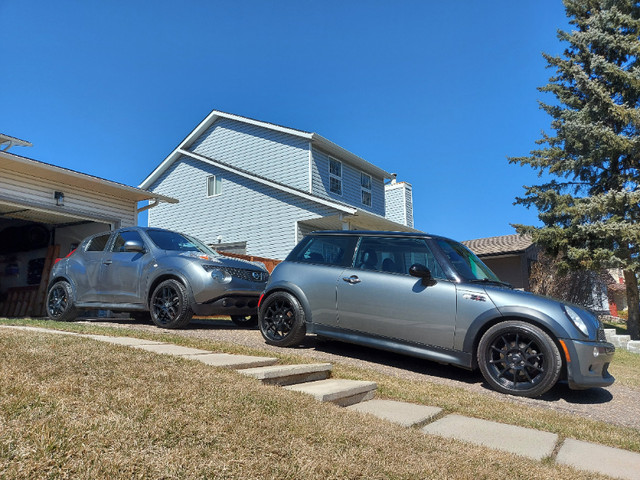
column 589, row 364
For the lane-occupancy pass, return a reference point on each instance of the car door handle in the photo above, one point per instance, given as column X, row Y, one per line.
column 107, row 262
column 353, row 279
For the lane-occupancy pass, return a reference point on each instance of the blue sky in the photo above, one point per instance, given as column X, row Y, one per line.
column 440, row 93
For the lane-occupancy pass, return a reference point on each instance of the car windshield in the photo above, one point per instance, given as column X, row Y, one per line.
column 177, row 242
column 465, row 262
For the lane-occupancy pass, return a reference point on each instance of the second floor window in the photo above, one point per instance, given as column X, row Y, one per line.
column 365, row 183
column 335, row 176
column 214, row 185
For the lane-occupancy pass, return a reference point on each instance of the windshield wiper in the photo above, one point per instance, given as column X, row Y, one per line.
column 488, row 280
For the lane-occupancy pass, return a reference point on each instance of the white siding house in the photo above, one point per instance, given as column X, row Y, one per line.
column 263, row 186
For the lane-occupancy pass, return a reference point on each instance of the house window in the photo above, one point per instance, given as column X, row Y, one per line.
column 365, row 183
column 335, row 176
column 214, row 185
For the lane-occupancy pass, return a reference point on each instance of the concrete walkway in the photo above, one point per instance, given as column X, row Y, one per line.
column 357, row 396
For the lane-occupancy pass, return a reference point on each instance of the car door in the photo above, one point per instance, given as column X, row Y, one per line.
column 121, row 272
column 85, row 269
column 377, row 296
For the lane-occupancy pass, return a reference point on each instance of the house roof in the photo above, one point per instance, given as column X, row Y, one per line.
column 16, row 163
column 503, row 245
column 10, row 141
column 315, row 139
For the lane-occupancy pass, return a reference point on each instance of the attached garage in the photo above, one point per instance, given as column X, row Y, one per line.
column 45, row 211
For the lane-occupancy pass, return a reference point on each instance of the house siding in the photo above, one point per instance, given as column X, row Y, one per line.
column 351, row 189
column 271, row 154
column 264, row 217
column 25, row 188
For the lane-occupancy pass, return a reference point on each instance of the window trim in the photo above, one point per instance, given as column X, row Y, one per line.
column 215, row 193
column 335, row 177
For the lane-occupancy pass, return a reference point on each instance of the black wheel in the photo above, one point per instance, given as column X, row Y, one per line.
column 281, row 319
column 60, row 304
column 170, row 305
column 142, row 317
column 245, row 321
column 519, row 359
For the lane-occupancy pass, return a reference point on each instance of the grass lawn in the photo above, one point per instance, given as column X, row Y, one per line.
column 72, row 407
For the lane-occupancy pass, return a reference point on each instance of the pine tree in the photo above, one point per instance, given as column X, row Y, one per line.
column 590, row 207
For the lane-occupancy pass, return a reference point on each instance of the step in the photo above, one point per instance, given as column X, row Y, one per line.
column 402, row 413
column 338, row 391
column 609, row 333
column 290, row 374
column 634, row 346
column 237, row 362
column 620, row 341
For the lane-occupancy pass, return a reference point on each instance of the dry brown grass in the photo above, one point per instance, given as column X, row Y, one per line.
column 75, row 408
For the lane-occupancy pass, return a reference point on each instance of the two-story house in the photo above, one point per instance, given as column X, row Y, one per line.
column 258, row 187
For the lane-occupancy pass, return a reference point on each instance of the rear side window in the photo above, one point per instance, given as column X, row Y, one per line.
column 324, row 249
column 98, row 243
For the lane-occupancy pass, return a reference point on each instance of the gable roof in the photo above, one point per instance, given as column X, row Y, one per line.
column 315, row 139
column 503, row 245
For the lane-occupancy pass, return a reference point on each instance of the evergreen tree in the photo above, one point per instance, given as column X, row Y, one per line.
column 591, row 206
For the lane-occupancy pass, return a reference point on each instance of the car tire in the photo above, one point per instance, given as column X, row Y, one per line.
column 282, row 320
column 245, row 321
column 518, row 358
column 170, row 306
column 60, row 304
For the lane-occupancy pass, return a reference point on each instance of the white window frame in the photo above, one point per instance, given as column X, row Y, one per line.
column 364, row 189
column 217, row 186
column 334, row 176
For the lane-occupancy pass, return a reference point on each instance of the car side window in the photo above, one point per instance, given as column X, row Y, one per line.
column 97, row 244
column 125, row 236
column 324, row 249
column 396, row 255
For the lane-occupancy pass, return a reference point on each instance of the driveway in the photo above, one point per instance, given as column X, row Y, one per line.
column 616, row 404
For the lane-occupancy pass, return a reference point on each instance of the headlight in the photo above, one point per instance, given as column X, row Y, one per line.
column 218, row 274
column 576, row 319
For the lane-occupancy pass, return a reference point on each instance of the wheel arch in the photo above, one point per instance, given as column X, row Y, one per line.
column 168, row 276
column 293, row 290
column 543, row 322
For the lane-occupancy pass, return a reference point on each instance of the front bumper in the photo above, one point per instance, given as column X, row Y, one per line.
column 229, row 305
column 585, row 369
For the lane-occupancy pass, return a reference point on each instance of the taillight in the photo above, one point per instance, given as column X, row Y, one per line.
column 58, row 259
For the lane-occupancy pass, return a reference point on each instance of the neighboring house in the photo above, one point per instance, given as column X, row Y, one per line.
column 43, row 206
column 509, row 256
column 256, row 188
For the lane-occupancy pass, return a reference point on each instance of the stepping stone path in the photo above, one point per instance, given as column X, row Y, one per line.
column 357, row 396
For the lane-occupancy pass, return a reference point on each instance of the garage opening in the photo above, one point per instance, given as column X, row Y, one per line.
column 30, row 242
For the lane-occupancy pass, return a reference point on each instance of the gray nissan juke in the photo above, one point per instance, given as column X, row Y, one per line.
column 151, row 272
column 431, row 297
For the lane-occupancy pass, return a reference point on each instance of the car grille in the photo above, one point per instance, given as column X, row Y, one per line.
column 243, row 273
column 601, row 335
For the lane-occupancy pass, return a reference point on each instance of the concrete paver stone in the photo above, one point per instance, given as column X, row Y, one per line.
column 338, row 391
column 170, row 349
column 128, row 341
column 402, row 413
column 599, row 458
column 226, row 360
column 38, row 329
column 522, row 441
column 290, row 374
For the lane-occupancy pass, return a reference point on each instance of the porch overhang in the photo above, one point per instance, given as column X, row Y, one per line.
column 360, row 220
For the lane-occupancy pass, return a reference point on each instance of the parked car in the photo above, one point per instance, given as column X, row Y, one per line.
column 152, row 272
column 430, row 297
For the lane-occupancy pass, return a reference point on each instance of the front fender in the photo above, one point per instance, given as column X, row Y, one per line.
column 293, row 289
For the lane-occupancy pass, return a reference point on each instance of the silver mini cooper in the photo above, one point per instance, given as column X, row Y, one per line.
column 153, row 272
column 431, row 297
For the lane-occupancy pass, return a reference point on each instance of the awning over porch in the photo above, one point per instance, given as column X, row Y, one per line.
column 360, row 220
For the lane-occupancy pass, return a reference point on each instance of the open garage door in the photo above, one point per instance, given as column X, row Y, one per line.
column 30, row 241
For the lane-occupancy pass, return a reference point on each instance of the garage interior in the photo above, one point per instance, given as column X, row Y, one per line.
column 30, row 241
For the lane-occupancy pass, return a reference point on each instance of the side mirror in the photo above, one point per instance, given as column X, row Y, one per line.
column 420, row 271
column 133, row 246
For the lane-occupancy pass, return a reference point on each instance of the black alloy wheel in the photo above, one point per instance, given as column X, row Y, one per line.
column 282, row 320
column 170, row 305
column 60, row 304
column 519, row 359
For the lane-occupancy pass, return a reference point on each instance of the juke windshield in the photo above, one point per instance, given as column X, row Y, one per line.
column 166, row 240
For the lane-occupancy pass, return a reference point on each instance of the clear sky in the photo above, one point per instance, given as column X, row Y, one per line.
column 439, row 92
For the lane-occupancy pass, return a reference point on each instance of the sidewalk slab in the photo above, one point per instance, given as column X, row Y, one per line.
column 170, row 349
column 599, row 458
column 225, row 360
column 290, row 374
column 129, row 341
column 338, row 391
column 37, row 329
column 526, row 442
column 402, row 413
